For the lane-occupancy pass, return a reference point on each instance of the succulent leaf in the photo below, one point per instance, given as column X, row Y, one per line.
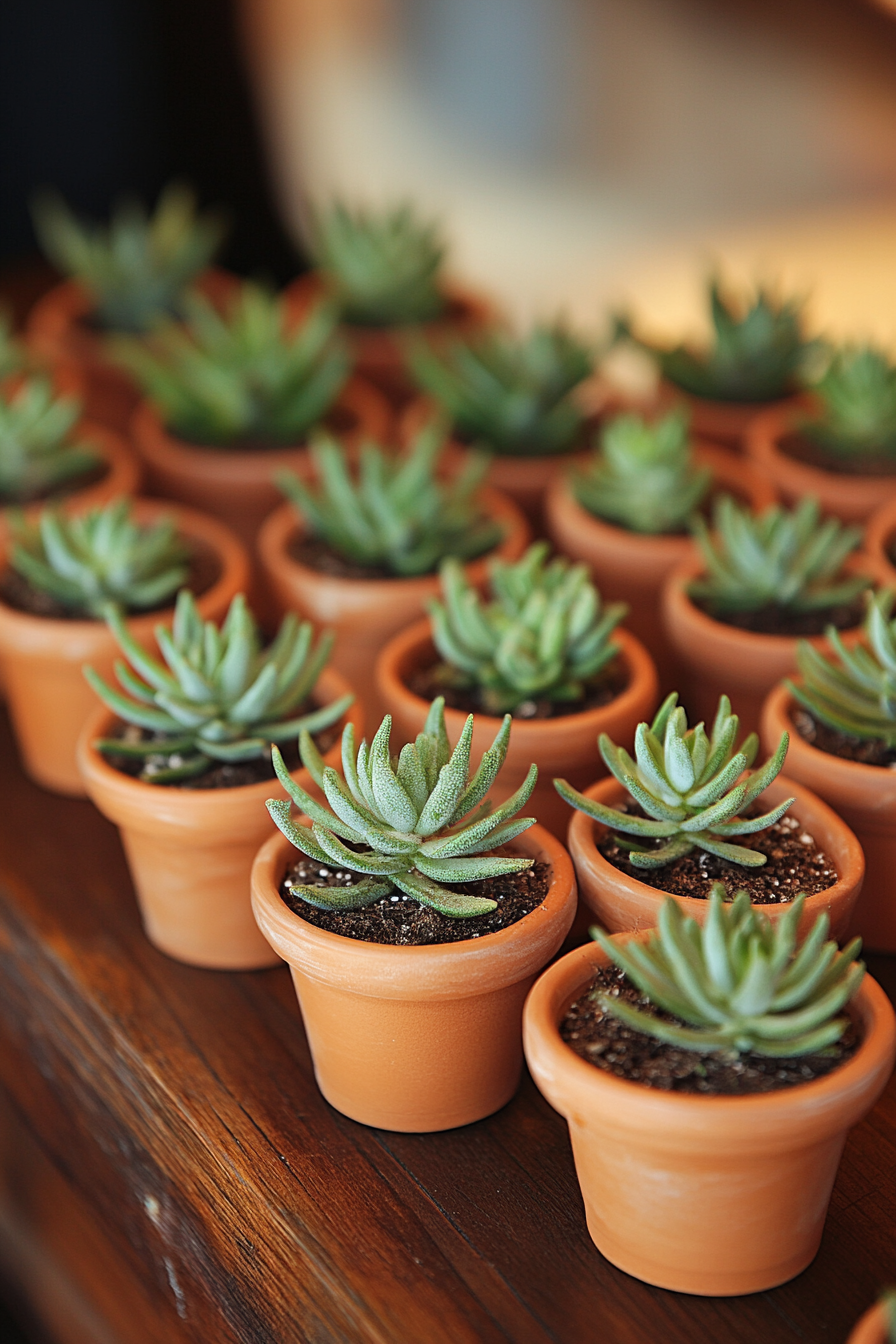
column 857, row 395
column 40, row 451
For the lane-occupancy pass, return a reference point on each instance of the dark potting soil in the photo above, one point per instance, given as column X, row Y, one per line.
column 866, row 751
column 890, row 549
column 399, row 920
column 604, row 1041
column 316, row 554
column 775, row 620
column 795, row 863
column 57, row 493
column 806, row 449
column 437, row 679
column 18, row 593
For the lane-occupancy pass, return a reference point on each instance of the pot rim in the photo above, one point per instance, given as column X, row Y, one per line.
column 879, row 530
column 796, row 477
column 776, row 709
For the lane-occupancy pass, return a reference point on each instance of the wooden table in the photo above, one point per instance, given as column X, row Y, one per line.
column 170, row 1172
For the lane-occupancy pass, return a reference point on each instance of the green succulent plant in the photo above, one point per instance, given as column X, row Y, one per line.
column 221, row 697
column 786, row 558
column 888, row 1302
column 136, row 268
column 87, row 560
column 857, row 392
column 402, row 823
column 644, row 477
column 383, row 267
column 397, row 513
column 39, row 453
column 12, row 352
column 687, row 784
column 511, row 395
column 543, row 633
column 739, row 983
column 247, row 376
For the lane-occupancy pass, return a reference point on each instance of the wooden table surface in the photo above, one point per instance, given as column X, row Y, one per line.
column 170, row 1172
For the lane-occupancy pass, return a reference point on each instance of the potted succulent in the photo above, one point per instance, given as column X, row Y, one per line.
column 543, row 648
column 842, row 713
column 709, row 1077
column 414, row 920
column 385, row 271
column 58, row 576
column 121, row 278
column 880, row 544
column 841, row 446
column 180, row 760
column 674, row 820
column 626, row 512
column 734, row 613
column 360, row 549
column 878, row 1325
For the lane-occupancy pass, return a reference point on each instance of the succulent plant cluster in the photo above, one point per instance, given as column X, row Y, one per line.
column 857, row 395
column 246, row 376
column 543, row 634
column 137, row 268
column 221, row 697
column 412, row 824
column 396, row 513
column 644, row 476
column 690, row 787
column 739, row 983
column 85, row 561
column 512, row 396
column 39, row 452
column 785, row 558
column 382, row 268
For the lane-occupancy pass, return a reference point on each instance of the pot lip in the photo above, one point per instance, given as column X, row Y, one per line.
column 423, row 407
column 69, row 301
column 122, row 475
column 879, row 530
column 776, row 709
column 762, row 439
column 475, row 306
column 787, row 401
column 632, row 651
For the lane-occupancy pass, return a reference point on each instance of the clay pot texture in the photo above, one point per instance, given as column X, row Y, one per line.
column 852, row 498
column 880, row 535
column 416, row 1038
column 713, row 1195
column 190, row 851
column 565, row 746
column 631, row 566
column 873, row 1328
column 865, row 797
column 725, row 422
column 48, row 697
column 621, row 904
column 365, row 613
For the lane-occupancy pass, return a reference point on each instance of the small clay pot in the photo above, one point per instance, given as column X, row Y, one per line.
column 631, row 566
column 880, row 537
column 365, row 613
column 416, row 1038
column 620, row 903
column 725, row 422
column 564, row 746
column 873, row 1328
column 190, row 851
column 48, row 696
column 713, row 1195
column 865, row 797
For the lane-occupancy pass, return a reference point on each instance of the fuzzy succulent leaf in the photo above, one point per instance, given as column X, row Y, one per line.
column 857, row 395
column 40, row 453
column 739, row 983
column 403, row 820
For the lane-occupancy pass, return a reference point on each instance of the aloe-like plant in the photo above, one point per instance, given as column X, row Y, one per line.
column 85, row 561
column 39, row 451
column 513, row 396
column 690, row 787
column 136, row 268
column 739, row 983
column 221, row 697
column 243, row 377
column 785, row 558
column 408, row 824
column 543, row 634
column 396, row 513
column 857, row 395
column 644, row 477
column 384, row 268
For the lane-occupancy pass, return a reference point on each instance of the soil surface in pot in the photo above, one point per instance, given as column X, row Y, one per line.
column 775, row 620
column 315, row 553
column 794, row 863
column 604, row 1041
column 91, row 475
column 18, row 593
column 805, row 449
column 438, row 679
column 867, row 751
column 399, row 920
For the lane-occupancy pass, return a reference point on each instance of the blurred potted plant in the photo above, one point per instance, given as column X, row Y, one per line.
column 878, row 1325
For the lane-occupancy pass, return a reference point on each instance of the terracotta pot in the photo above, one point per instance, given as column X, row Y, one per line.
column 190, row 851
column 880, row 535
column 865, row 797
column 416, row 1038
column 365, row 613
column 49, row 699
column 632, row 567
column 873, row 1328
column 565, row 746
column 713, row 1195
column 725, row 422
column 852, row 498
column 620, row 903
column 720, row 659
